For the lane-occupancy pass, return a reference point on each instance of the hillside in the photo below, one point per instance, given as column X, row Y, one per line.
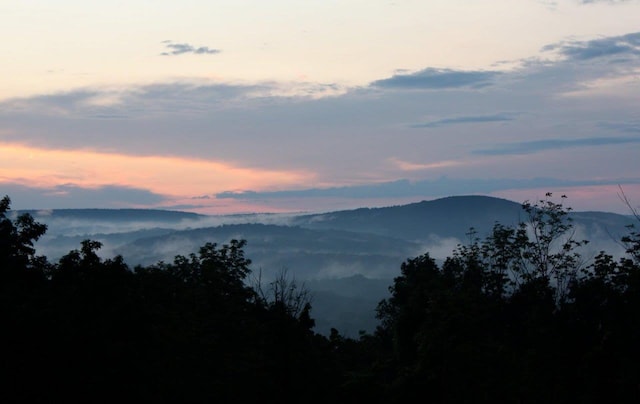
column 347, row 258
column 445, row 217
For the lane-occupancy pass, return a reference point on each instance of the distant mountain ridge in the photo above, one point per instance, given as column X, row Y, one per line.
column 347, row 257
column 443, row 214
column 449, row 217
column 309, row 253
column 114, row 214
column 360, row 241
column 446, row 217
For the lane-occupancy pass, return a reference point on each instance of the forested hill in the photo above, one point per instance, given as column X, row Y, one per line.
column 444, row 217
column 308, row 253
column 144, row 236
column 447, row 217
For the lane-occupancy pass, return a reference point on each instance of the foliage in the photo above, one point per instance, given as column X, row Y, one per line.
column 92, row 329
column 284, row 295
column 17, row 238
column 516, row 317
column 632, row 240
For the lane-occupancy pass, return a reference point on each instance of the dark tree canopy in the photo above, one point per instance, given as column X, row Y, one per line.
column 518, row 317
column 17, row 238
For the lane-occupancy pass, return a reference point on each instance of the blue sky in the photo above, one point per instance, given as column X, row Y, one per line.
column 238, row 106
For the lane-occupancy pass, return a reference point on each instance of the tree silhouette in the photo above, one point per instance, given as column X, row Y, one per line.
column 517, row 316
column 16, row 241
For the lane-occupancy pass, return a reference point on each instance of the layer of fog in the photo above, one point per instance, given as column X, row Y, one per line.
column 64, row 234
column 308, row 261
column 82, row 227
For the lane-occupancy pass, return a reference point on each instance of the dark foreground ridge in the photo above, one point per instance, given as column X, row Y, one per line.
column 518, row 316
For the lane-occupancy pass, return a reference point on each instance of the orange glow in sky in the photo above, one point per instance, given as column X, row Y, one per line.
column 170, row 176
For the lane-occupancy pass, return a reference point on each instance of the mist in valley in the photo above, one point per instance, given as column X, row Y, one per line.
column 347, row 259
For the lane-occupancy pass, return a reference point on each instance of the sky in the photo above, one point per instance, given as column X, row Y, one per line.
column 298, row 106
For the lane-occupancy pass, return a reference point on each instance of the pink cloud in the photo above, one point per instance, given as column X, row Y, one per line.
column 170, row 176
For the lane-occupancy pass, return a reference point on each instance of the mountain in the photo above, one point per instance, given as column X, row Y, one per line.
column 445, row 217
column 428, row 222
column 346, row 258
column 309, row 253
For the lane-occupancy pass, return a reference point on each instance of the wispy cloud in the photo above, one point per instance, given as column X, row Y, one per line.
column 73, row 196
column 420, row 189
column 175, row 49
column 597, row 48
column 626, row 127
column 349, row 138
column 554, row 144
column 398, row 188
column 605, row 1
column 136, row 101
column 409, row 166
column 464, row 120
column 437, row 79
